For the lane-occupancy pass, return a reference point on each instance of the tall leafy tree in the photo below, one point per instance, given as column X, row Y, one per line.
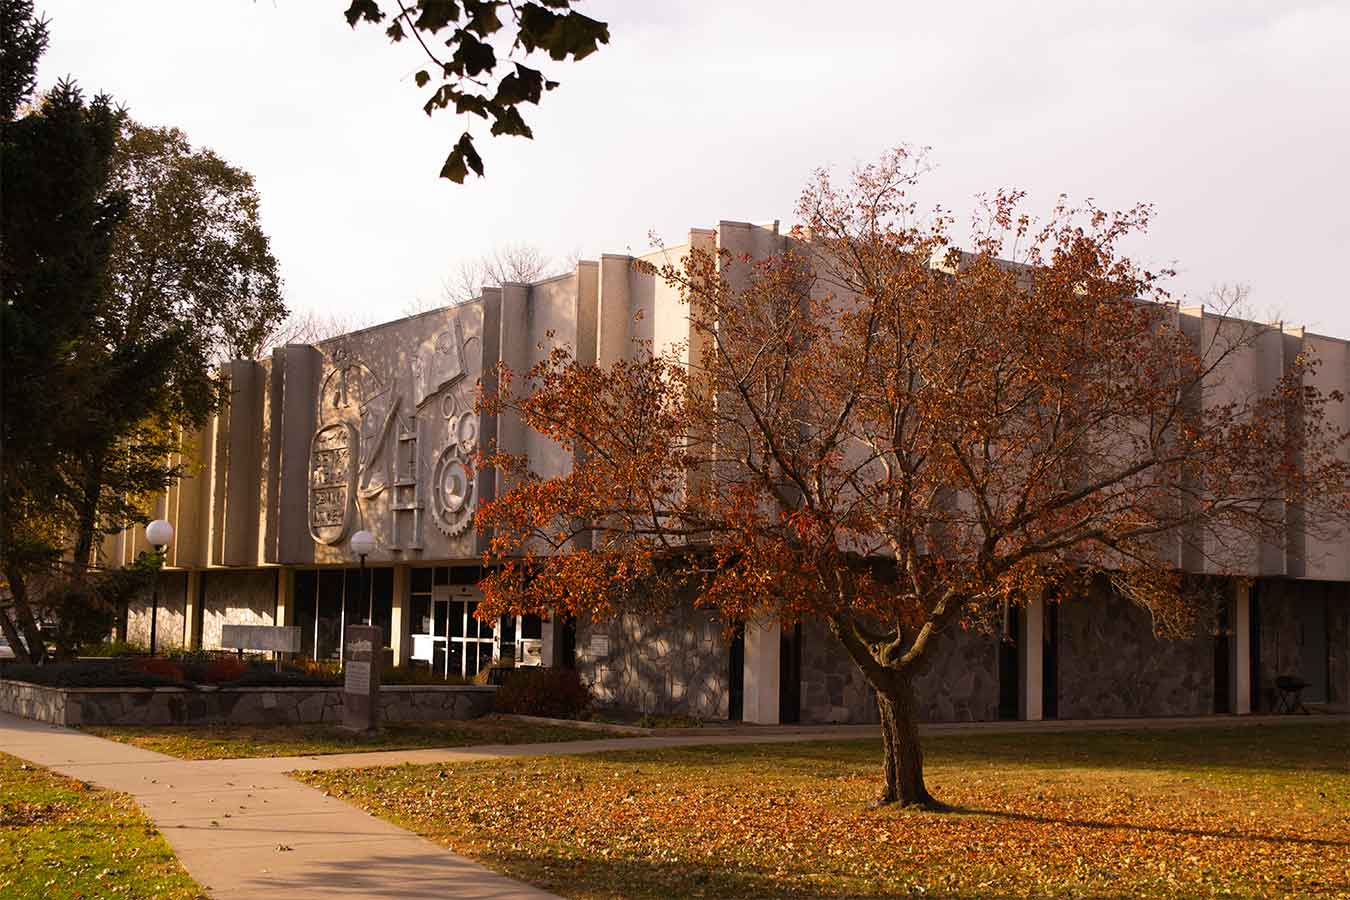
column 479, row 36
column 131, row 264
column 190, row 250
column 23, row 40
column 58, row 222
column 875, row 431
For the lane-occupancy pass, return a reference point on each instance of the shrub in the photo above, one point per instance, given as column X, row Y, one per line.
column 85, row 674
column 195, row 663
column 158, row 665
column 319, row 668
column 537, row 691
column 493, row 675
column 224, row 669
column 266, row 676
column 112, row 648
column 417, row 675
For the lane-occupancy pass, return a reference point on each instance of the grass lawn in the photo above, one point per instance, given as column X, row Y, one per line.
column 62, row 839
column 1247, row 811
column 234, row 741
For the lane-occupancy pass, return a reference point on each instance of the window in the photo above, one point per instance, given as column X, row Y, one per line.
column 327, row 600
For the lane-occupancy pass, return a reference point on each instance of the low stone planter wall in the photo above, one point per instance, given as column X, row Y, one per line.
column 33, row 701
column 240, row 706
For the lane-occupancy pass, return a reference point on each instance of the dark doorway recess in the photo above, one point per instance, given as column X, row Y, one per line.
column 1310, row 636
column 567, row 634
column 736, row 676
column 790, row 675
column 1254, row 644
column 1050, row 662
column 1222, row 640
column 1008, row 660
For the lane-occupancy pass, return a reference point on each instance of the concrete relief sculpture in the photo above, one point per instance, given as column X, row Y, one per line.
column 452, row 483
column 440, row 374
column 442, row 366
column 369, row 455
column 332, row 482
column 354, row 410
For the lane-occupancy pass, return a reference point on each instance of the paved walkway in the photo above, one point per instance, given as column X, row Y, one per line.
column 245, row 830
column 228, row 821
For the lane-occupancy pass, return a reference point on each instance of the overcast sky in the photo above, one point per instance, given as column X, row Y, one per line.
column 1233, row 118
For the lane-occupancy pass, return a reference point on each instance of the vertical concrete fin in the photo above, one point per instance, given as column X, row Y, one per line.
column 243, row 471
column 272, row 435
column 588, row 305
column 613, row 308
column 188, row 524
column 514, row 352
column 1190, row 542
column 220, row 460
column 299, row 404
column 1295, row 523
column 171, row 499
column 486, row 480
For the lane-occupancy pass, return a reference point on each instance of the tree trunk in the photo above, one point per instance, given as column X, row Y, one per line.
column 87, row 521
column 24, row 622
column 900, row 735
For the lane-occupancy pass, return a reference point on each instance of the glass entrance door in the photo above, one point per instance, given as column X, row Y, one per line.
column 459, row 643
column 440, row 622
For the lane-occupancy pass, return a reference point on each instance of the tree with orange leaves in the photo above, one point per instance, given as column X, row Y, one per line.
column 895, row 437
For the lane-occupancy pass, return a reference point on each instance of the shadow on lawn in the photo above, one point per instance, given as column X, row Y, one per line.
column 1149, row 829
column 395, row 876
column 1312, row 748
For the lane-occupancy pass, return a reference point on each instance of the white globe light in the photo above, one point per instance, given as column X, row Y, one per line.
column 363, row 543
column 159, row 533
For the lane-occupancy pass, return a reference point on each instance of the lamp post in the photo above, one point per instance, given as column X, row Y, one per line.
column 363, row 544
column 159, row 533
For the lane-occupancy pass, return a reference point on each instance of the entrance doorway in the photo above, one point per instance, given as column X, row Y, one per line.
column 736, row 676
column 1310, row 638
column 460, row 644
column 1222, row 640
column 1010, row 655
column 1009, row 661
column 790, row 675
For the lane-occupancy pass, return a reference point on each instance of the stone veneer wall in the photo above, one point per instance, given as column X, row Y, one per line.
column 957, row 682
column 673, row 663
column 171, row 620
column 237, row 598
column 238, row 706
column 1112, row 664
column 832, row 689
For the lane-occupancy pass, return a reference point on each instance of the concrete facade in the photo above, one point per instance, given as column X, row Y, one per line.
column 373, row 430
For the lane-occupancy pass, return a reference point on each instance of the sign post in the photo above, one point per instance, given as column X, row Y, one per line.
column 362, row 654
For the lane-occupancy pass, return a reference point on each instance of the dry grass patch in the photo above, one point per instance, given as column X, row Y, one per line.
column 1250, row 812
column 61, row 838
column 237, row 741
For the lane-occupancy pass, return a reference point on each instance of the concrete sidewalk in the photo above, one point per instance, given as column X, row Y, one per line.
column 245, row 832
column 228, row 820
